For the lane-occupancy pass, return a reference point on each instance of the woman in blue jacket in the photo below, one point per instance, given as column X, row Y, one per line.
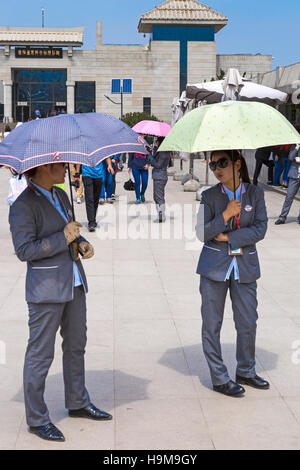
column 230, row 228
column 138, row 164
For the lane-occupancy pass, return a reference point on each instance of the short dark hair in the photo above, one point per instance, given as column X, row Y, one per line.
column 7, row 128
column 30, row 173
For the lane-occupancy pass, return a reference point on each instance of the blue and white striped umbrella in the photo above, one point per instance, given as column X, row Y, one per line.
column 70, row 138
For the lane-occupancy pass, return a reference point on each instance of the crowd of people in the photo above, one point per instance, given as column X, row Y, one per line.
column 283, row 171
column 97, row 185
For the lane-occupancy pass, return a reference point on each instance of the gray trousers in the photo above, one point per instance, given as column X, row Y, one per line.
column 293, row 188
column 44, row 321
column 244, row 305
column 159, row 191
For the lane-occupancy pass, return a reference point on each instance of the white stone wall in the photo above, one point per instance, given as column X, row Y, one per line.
column 154, row 71
column 251, row 64
column 201, row 61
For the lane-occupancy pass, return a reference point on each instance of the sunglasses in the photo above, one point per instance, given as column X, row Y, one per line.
column 222, row 163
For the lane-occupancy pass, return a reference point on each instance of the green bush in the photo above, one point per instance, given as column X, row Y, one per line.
column 133, row 118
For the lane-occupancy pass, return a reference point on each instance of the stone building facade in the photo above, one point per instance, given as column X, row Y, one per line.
column 43, row 70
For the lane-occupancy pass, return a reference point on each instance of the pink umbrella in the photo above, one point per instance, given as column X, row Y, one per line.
column 155, row 128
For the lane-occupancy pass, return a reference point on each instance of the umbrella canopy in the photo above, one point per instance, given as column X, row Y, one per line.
column 73, row 138
column 155, row 128
column 231, row 125
column 234, row 87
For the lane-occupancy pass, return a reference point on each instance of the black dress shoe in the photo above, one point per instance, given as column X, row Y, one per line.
column 280, row 221
column 255, row 382
column 49, row 432
column 231, row 389
column 90, row 412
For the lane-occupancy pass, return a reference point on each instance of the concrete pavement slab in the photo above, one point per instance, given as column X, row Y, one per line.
column 170, row 423
column 144, row 358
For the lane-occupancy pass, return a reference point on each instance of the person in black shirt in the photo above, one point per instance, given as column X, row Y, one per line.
column 262, row 157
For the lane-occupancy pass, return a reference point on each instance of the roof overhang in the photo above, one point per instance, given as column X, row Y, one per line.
column 182, row 13
column 146, row 26
column 62, row 37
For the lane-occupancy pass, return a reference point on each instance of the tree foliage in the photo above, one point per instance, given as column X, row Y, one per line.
column 133, row 118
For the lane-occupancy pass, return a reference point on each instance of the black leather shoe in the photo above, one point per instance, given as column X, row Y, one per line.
column 255, row 382
column 231, row 389
column 90, row 412
column 49, row 432
column 280, row 221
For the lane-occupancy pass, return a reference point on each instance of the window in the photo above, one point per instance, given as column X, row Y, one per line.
column 147, row 105
column 116, row 85
column 127, row 85
column 85, row 97
column 39, row 89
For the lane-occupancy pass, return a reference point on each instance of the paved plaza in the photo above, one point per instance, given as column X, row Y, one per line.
column 144, row 360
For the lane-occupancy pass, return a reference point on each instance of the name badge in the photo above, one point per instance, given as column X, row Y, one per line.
column 248, row 208
column 236, row 252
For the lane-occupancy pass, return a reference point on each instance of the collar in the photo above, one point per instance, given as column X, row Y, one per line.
column 240, row 190
column 42, row 190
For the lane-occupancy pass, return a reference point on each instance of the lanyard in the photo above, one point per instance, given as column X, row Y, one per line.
column 237, row 217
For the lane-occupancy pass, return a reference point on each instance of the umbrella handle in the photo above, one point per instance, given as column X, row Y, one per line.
column 71, row 193
column 75, row 247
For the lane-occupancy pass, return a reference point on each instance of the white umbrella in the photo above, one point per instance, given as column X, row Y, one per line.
column 234, row 87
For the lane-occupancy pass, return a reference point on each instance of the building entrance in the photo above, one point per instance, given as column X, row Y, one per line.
column 39, row 93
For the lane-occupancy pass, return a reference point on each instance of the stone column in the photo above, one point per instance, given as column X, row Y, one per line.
column 98, row 35
column 70, row 97
column 8, row 101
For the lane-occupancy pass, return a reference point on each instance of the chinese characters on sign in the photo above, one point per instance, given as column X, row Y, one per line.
column 41, row 52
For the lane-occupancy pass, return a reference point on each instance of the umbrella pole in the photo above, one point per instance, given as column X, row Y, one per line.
column 71, row 192
column 234, row 185
column 207, row 167
column 75, row 243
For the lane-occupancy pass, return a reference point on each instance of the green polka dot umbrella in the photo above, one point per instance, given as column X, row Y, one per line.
column 231, row 125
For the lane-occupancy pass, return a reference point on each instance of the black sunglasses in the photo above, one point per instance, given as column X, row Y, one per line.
column 222, row 163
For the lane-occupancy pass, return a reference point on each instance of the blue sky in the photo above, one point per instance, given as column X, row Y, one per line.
column 258, row 26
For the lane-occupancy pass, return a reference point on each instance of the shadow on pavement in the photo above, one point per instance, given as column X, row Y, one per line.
column 101, row 386
column 197, row 365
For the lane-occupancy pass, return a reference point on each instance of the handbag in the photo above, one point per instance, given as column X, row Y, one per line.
column 129, row 185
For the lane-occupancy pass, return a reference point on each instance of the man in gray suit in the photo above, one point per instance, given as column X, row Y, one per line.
column 43, row 232
column 294, row 184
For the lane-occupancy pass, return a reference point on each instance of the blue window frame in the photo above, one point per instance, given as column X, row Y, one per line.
column 116, row 85
column 127, row 85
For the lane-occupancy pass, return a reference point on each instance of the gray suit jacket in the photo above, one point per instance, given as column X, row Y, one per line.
column 160, row 164
column 215, row 260
column 37, row 232
column 293, row 173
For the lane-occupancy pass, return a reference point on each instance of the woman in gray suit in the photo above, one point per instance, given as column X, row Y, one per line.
column 230, row 228
column 160, row 164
